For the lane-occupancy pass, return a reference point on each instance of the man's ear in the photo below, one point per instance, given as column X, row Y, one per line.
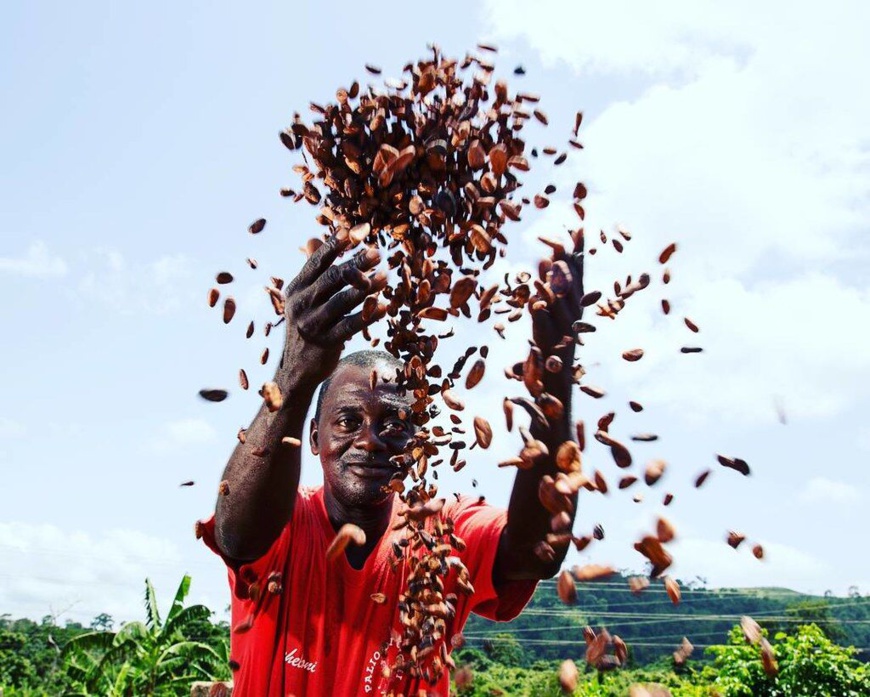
column 312, row 438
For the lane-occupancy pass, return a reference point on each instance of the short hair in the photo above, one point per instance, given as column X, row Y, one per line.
column 362, row 359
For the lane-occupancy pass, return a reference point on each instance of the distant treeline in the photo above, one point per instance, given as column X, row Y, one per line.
column 653, row 626
column 162, row 655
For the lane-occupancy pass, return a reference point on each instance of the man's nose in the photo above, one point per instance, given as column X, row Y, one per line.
column 369, row 439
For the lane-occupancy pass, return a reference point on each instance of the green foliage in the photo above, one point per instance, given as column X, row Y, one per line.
column 544, row 610
column 39, row 656
column 162, row 656
column 810, row 664
column 25, row 692
column 497, row 679
column 150, row 659
column 549, row 630
column 815, row 611
column 542, row 680
column 103, row 623
column 474, row 658
column 15, row 668
column 505, row 649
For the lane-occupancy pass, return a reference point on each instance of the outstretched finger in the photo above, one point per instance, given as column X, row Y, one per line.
column 336, row 307
column 353, row 324
column 319, row 261
column 338, row 276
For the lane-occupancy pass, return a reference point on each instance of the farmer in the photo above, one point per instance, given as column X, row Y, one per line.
column 304, row 625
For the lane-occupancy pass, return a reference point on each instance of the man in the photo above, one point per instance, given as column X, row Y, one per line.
column 304, row 625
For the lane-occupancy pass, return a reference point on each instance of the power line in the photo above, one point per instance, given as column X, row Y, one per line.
column 672, row 616
column 693, row 634
column 752, row 592
column 648, row 644
column 845, row 603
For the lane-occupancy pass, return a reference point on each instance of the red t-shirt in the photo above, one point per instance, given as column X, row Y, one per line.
column 323, row 634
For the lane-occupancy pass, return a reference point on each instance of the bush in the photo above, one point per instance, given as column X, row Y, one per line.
column 810, row 665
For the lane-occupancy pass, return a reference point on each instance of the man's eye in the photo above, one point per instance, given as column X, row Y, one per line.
column 347, row 422
column 394, row 426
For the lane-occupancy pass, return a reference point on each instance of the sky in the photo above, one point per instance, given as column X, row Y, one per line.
column 138, row 142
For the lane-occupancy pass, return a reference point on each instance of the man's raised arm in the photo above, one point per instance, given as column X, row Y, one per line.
column 529, row 522
column 263, row 472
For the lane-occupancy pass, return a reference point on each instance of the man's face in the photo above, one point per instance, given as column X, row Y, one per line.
column 360, row 429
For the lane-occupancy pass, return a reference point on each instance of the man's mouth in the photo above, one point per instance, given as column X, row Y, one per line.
column 372, row 468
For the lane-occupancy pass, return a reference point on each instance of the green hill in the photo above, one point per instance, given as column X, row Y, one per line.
column 653, row 626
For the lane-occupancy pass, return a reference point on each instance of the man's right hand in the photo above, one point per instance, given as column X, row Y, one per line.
column 262, row 474
column 318, row 303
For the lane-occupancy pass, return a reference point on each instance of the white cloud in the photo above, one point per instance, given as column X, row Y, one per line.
column 37, row 262
column 746, row 143
column 11, row 429
column 800, row 340
column 47, row 569
column 697, row 553
column 708, row 164
column 823, row 490
column 677, row 36
column 156, row 287
column 721, row 566
column 659, row 39
column 782, row 566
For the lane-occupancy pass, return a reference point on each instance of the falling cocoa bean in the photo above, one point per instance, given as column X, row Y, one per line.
column 667, row 252
column 347, row 534
column 213, row 395
column 229, row 310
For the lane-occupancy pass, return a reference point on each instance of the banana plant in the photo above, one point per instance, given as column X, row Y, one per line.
column 154, row 658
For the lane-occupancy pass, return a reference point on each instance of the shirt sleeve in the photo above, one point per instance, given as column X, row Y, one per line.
column 480, row 526
column 249, row 580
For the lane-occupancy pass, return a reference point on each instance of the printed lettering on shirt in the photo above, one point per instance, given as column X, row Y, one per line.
column 370, row 669
column 370, row 680
column 294, row 661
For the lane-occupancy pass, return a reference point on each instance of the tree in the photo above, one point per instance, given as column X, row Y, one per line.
column 817, row 612
column 152, row 659
column 103, row 623
column 42, row 642
column 15, row 669
column 810, row 664
column 505, row 649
